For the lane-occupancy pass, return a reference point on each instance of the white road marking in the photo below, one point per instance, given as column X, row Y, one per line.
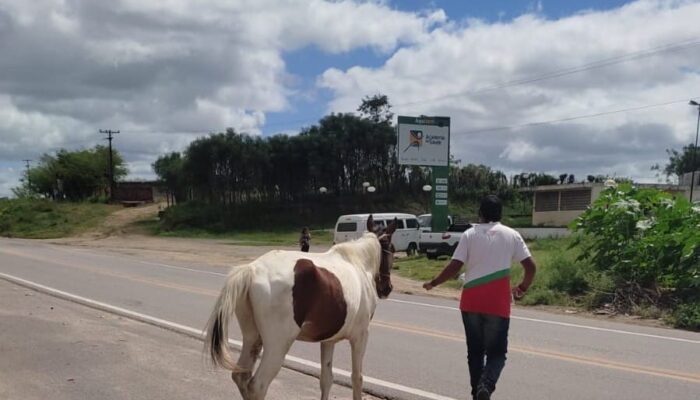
column 544, row 321
column 189, row 331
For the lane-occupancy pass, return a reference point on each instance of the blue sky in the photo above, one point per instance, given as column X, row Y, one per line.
column 308, row 63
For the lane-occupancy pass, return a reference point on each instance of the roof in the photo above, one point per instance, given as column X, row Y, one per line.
column 378, row 215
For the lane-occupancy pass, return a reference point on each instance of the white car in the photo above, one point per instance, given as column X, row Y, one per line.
column 435, row 244
column 426, row 220
column 352, row 226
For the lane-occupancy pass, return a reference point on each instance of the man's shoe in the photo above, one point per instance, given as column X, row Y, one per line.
column 483, row 393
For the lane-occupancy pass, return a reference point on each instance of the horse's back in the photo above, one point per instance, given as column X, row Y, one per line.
column 320, row 294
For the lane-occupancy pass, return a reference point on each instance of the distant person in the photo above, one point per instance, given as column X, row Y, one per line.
column 305, row 240
column 488, row 249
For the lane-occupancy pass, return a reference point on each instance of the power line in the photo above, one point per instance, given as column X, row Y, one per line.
column 109, row 137
column 573, row 118
column 677, row 46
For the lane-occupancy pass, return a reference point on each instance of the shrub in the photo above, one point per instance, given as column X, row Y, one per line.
column 687, row 316
column 647, row 242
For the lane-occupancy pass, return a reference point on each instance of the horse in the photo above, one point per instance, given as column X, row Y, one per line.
column 284, row 296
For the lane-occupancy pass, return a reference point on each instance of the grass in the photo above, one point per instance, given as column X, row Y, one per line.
column 43, row 219
column 421, row 269
column 558, row 273
column 281, row 237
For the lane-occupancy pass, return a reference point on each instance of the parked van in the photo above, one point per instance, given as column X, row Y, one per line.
column 351, row 227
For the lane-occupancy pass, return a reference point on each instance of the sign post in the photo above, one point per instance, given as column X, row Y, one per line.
column 425, row 141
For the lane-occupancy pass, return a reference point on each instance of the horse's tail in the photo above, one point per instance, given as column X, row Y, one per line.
column 216, row 342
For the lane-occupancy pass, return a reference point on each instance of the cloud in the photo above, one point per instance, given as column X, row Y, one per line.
column 166, row 71
column 466, row 72
column 9, row 178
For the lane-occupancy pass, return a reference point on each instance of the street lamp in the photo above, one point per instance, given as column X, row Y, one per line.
column 427, row 189
column 695, row 149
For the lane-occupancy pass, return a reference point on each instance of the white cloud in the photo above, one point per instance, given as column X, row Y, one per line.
column 446, row 74
column 9, row 178
column 162, row 70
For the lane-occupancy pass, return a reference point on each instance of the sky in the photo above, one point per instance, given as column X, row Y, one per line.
column 580, row 87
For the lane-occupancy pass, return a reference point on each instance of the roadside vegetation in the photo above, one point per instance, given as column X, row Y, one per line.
column 44, row 219
column 635, row 252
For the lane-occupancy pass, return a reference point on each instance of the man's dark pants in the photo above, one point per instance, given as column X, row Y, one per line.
column 487, row 335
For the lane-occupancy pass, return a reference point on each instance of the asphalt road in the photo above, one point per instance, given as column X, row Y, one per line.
column 60, row 350
column 415, row 341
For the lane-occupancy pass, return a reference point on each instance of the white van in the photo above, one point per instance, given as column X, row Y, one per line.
column 406, row 237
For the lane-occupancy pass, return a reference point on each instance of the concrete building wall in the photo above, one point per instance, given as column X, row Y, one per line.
column 557, row 214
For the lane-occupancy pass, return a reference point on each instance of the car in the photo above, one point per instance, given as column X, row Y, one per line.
column 436, row 244
column 352, row 226
column 425, row 221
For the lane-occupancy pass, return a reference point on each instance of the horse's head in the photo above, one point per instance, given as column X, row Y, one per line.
column 382, row 278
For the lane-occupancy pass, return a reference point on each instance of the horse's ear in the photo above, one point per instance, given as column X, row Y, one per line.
column 392, row 226
column 370, row 224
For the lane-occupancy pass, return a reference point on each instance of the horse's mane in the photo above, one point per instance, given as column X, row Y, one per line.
column 365, row 252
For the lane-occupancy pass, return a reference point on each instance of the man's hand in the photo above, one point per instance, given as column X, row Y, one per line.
column 518, row 293
column 427, row 286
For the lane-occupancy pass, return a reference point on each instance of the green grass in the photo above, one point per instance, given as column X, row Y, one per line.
column 283, row 237
column 421, row 269
column 558, row 277
column 43, row 219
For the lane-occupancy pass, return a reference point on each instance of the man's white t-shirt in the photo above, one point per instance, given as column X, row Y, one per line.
column 487, row 251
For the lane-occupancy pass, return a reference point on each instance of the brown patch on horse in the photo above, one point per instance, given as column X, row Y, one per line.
column 319, row 304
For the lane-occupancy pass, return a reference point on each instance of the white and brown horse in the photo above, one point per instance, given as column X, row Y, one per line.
column 285, row 296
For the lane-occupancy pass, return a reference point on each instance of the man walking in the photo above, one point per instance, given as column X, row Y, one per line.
column 488, row 250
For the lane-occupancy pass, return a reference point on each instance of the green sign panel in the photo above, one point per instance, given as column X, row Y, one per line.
column 439, row 199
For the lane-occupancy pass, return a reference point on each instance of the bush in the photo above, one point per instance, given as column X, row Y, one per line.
column 566, row 274
column 687, row 316
column 647, row 242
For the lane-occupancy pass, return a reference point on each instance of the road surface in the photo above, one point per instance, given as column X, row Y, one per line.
column 416, row 348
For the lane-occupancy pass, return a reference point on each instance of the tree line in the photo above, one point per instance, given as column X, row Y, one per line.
column 72, row 175
column 338, row 154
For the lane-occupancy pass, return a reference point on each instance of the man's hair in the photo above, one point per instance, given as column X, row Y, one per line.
column 491, row 208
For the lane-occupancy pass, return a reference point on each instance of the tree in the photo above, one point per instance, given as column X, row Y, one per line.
column 169, row 169
column 75, row 175
column 376, row 108
column 681, row 162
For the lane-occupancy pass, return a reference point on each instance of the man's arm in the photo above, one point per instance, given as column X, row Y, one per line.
column 530, row 269
column 449, row 272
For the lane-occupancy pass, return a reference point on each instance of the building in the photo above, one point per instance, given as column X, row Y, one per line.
column 559, row 205
column 138, row 192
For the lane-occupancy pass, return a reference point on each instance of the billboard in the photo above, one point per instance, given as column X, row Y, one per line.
column 423, row 141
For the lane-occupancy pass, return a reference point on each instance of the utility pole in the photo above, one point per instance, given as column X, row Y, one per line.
column 27, row 173
column 695, row 150
column 109, row 137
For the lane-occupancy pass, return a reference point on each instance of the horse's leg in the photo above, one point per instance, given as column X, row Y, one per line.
column 274, row 350
column 249, row 354
column 358, row 346
column 252, row 343
column 326, row 368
